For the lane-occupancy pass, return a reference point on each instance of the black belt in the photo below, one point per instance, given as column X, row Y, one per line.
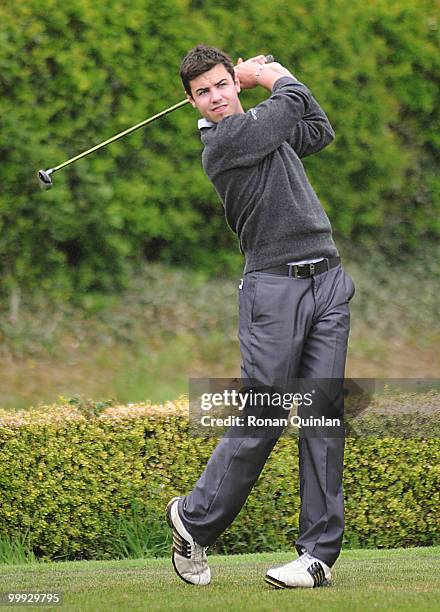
column 304, row 270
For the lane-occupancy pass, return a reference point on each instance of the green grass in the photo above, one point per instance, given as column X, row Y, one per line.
column 16, row 550
column 399, row 579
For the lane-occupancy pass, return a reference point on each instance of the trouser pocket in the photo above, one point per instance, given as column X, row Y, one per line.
column 351, row 288
column 247, row 289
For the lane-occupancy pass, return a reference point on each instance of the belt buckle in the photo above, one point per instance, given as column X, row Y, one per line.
column 295, row 268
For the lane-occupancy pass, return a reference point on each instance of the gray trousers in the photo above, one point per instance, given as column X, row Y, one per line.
column 288, row 328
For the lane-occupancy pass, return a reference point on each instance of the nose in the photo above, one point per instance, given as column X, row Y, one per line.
column 215, row 95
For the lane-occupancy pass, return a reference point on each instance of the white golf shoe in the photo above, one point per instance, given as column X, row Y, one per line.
column 190, row 560
column 306, row 572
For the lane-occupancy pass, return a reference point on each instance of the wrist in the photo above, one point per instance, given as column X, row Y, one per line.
column 258, row 74
column 266, row 77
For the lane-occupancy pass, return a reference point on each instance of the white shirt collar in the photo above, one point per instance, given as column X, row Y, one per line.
column 205, row 123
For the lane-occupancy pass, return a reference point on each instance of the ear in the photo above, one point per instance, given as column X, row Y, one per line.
column 191, row 100
column 237, row 84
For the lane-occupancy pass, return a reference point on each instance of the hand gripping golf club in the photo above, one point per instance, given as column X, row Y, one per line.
column 45, row 176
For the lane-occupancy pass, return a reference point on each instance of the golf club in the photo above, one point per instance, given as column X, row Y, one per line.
column 45, row 176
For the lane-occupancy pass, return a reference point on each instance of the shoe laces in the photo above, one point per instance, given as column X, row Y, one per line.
column 305, row 560
column 199, row 552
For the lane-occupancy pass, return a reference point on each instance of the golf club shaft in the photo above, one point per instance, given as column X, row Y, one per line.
column 44, row 176
column 120, row 135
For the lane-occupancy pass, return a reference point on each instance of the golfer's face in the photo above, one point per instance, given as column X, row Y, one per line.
column 215, row 94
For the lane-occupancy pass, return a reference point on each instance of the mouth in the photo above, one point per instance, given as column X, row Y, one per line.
column 219, row 109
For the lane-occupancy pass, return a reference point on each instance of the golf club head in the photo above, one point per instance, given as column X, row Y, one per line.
column 44, row 179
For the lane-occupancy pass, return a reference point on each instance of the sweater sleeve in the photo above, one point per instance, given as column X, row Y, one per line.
column 312, row 133
column 244, row 139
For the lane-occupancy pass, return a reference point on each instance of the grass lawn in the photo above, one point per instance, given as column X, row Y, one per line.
column 399, row 579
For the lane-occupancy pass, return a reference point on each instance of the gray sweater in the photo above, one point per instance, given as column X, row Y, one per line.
column 253, row 161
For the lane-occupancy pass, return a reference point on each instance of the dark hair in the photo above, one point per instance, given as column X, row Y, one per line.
column 201, row 59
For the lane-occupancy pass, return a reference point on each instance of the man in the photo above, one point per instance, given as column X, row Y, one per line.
column 293, row 303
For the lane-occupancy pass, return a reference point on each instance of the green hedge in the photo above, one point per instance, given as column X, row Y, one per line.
column 70, row 472
column 72, row 74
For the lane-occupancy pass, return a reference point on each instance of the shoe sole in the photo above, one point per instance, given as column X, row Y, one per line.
column 275, row 583
column 282, row 585
column 168, row 511
column 173, row 552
